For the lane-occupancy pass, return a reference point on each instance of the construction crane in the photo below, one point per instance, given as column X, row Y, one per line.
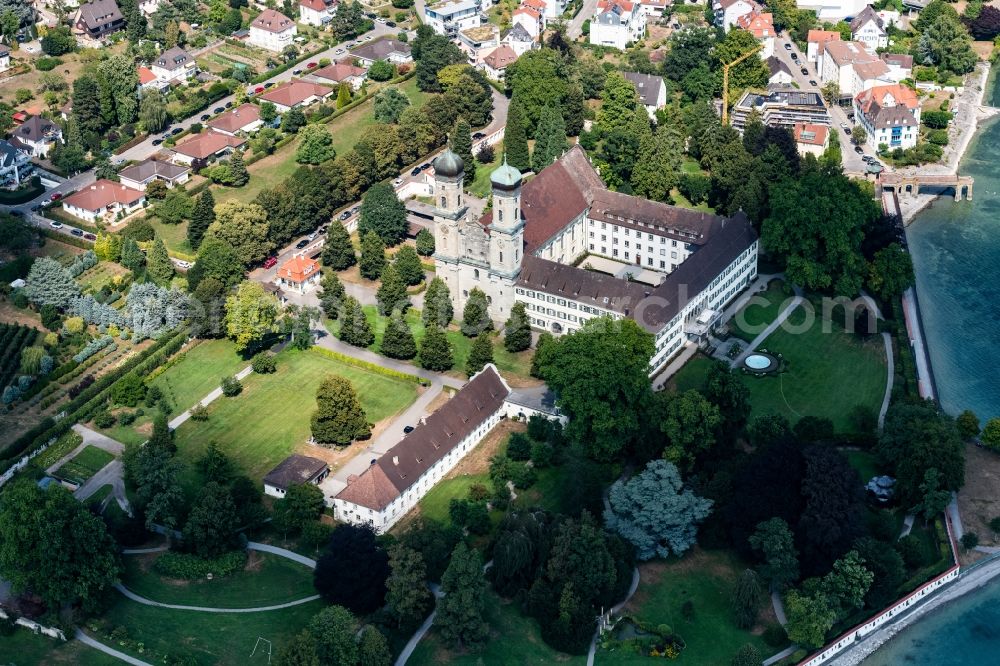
column 725, row 81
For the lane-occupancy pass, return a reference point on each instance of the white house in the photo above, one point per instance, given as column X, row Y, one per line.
column 728, row 12
column 317, row 12
column 811, row 139
column 200, row 149
column 244, row 119
column 869, row 29
column 761, row 26
column 296, row 93
column 4, row 59
column 853, row 66
column 393, row 484
column 103, row 199
column 392, row 50
column 175, row 65
column 781, row 75
column 449, row 18
column 36, row 136
column 531, row 20
column 900, row 65
column 496, row 63
column 272, row 30
column 652, row 91
column 617, row 23
column 342, row 72
column 299, row 274
column 478, row 42
column 139, row 176
column 815, row 42
column 295, row 470
column 148, row 7
column 654, row 8
column 14, row 166
column 833, row 10
column 518, row 39
column 890, row 115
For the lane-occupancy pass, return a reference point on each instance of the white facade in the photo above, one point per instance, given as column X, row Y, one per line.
column 531, row 20
column 449, row 18
column 174, row 66
column 316, row 12
column 617, row 23
column 890, row 116
column 833, row 10
column 272, row 31
column 853, row 66
column 111, row 209
column 14, row 166
column 728, row 12
column 4, row 59
column 148, row 7
column 868, row 29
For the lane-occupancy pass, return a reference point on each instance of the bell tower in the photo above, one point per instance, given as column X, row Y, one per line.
column 507, row 228
column 449, row 206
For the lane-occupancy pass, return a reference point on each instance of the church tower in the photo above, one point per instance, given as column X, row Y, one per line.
column 449, row 207
column 507, row 228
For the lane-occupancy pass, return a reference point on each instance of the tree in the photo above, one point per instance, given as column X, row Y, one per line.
column 244, row 226
column 747, row 655
column 315, row 145
column 859, row 134
column 480, row 354
column 292, row 121
column 391, row 295
column 985, row 26
column 389, row 104
column 946, row 44
column 174, row 207
column 619, row 103
column 211, row 527
column 846, row 585
column 745, row 599
column 353, row 548
column 238, row 174
column 968, row 424
column 215, row 465
column 332, row 293
column 461, row 145
column 751, row 72
column 298, row 323
column 201, row 218
column 58, row 41
column 334, row 630
column 373, row 648
column 158, row 262
column 809, row 618
column 538, row 80
column 407, row 595
column 251, row 314
column 408, row 265
column 991, row 434
column 302, row 504
column 384, row 214
column 460, row 611
column 153, row 112
column 887, row 567
column 343, row 95
column 299, row 651
column 476, row 314
column 433, row 53
column 834, row 508
column 655, row 513
column 550, row 141
column 339, row 418
column 934, row 499
column 52, row 546
column 724, row 389
column 437, row 304
column 515, row 138
column 48, row 283
column 119, row 81
column 600, row 374
column 517, row 329
column 435, row 350
column 689, row 422
column 373, row 259
column 657, row 168
column 775, row 542
column 354, row 327
column 338, row 251
column 425, row 243
column 216, row 259
column 397, row 341
column 891, row 272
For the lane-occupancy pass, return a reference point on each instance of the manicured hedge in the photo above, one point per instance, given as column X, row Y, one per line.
column 187, row 566
column 350, row 360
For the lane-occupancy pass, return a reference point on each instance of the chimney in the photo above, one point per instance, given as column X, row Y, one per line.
column 395, row 460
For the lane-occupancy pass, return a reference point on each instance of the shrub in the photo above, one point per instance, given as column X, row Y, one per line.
column 47, row 64
column 188, row 566
column 522, row 475
column 104, row 420
column 519, row 447
column 970, row 540
column 938, row 137
column 995, row 524
column 126, row 418
column 541, row 454
column 486, row 154
column 231, row 387
column 694, row 187
column 914, row 551
column 199, row 412
column 687, row 610
column 263, row 363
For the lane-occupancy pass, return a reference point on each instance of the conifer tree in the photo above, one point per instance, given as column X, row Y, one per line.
column 158, row 263
column 343, row 96
column 338, row 251
column 407, row 595
column 435, row 350
column 238, row 174
column 476, row 316
column 480, row 354
column 354, row 327
column 391, row 294
column 515, row 139
column 550, row 140
column 331, row 297
column 461, row 145
column 425, row 243
column 460, row 611
column 397, row 341
column 437, row 304
column 202, row 216
column 132, row 257
column 408, row 265
column 517, row 329
column 339, row 418
column 372, row 256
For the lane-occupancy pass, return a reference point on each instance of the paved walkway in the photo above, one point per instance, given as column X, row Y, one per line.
column 779, row 320
column 781, row 655
column 419, row 634
column 907, row 525
column 208, row 399
column 110, row 474
column 282, row 552
column 97, row 645
column 925, row 382
column 633, row 586
column 779, row 607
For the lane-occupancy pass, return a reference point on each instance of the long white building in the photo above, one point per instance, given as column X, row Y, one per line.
column 682, row 266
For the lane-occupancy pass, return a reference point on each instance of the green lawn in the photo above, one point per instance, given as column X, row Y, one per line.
column 764, row 308
column 174, row 236
column 864, row 462
column 514, row 641
column 268, row 580
column 481, row 186
column 434, row 505
column 25, row 648
column 705, row 578
column 208, row 638
column 270, row 419
column 85, row 464
column 692, row 375
column 198, row 372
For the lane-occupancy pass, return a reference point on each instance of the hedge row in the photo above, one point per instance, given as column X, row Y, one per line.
column 373, row 367
column 69, row 240
column 187, row 566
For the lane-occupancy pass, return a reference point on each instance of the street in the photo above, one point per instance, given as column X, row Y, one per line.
column 574, row 29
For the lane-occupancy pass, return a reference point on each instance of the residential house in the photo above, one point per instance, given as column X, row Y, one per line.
column 96, row 20
column 139, row 176
column 149, row 81
column 272, row 31
column 531, row 20
column 317, row 12
column 36, row 136
column 833, row 10
column 815, row 42
column 617, row 23
column 394, row 483
column 199, row 149
column 652, row 91
column 781, row 108
column 900, row 66
column 295, row 470
column 299, row 274
column 15, row 166
column 148, row 7
column 496, row 63
column 451, row 17
column 761, row 26
column 295, row 93
column 393, row 50
column 4, row 59
column 175, row 65
column 342, row 72
column 811, row 139
column 654, row 8
column 103, row 200
column 889, row 17
column 869, row 29
column 518, row 39
column 244, row 119
column 781, row 75
column 728, row 12
column 478, row 42
column 853, row 66
column 890, row 115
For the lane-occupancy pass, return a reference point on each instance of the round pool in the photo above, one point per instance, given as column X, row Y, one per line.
column 760, row 362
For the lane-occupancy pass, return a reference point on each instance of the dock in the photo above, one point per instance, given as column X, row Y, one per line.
column 911, row 183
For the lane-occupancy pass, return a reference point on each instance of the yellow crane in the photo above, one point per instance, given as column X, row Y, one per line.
column 725, row 81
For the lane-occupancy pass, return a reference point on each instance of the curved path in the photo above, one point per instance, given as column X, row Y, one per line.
column 97, row 645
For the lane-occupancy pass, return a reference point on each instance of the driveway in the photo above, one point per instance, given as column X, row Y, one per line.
column 111, row 474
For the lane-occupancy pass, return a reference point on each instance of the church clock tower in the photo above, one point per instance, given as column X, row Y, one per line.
column 507, row 228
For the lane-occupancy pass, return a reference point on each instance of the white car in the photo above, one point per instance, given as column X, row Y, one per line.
column 55, row 225
column 182, row 263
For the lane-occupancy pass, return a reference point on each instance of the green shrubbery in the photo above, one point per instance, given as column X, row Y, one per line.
column 188, row 566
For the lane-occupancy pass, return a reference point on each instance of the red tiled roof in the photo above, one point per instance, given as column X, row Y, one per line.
column 814, row 135
column 317, row 5
column 201, row 146
column 371, row 489
column 607, row 5
column 760, row 25
column 145, row 75
column 237, row 118
column 272, row 21
column 295, row 92
column 101, row 193
column 339, row 71
column 533, row 13
column 534, row 4
column 501, row 57
column 298, row 269
column 875, row 96
column 820, row 36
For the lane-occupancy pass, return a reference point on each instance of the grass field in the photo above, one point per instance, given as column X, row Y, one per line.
column 481, row 186
column 267, row 580
column 750, row 321
column 434, row 505
column 85, row 464
column 514, row 641
column 692, row 374
column 210, row 638
column 705, row 578
column 199, row 372
column 270, row 419
column 24, row 648
column 174, row 236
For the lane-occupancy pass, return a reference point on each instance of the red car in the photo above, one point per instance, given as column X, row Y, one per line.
column 270, row 262
column 311, row 65
column 259, row 89
column 56, row 196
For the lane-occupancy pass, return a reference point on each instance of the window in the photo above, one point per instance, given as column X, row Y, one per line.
column 444, row 202
column 500, row 214
column 626, row 243
column 614, row 252
column 604, row 249
column 626, row 255
column 475, row 273
column 663, row 264
column 649, row 261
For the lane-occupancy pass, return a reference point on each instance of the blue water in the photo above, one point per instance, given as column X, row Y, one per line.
column 965, row 631
column 956, row 256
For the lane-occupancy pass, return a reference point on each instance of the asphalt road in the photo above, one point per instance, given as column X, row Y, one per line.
column 574, row 29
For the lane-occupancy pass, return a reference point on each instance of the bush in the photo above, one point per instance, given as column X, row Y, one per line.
column 687, row 610
column 199, row 412
column 104, row 420
column 47, row 64
column 187, row 566
column 914, row 551
column 694, row 187
column 970, row 540
column 231, row 387
column 486, row 154
column 938, row 137
column 541, row 454
column 995, row 524
column 522, row 475
column 263, row 363
column 519, row 447
column 126, row 418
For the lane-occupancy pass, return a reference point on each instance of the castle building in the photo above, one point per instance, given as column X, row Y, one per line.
column 571, row 249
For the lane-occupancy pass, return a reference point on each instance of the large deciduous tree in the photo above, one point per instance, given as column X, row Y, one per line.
column 244, row 226
column 891, row 272
column 383, row 213
column 460, row 611
column 774, row 541
column 211, row 527
column 339, row 418
column 407, row 595
column 833, row 516
column 658, row 165
column 301, row 506
column 353, row 569
column 334, row 630
column 689, row 423
column 251, row 314
column 315, row 145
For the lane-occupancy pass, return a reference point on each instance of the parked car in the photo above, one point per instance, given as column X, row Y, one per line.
column 805, row 72
column 205, row 117
column 415, row 171
column 269, row 84
column 297, row 71
column 229, row 105
column 270, row 261
column 218, row 109
column 89, row 236
column 311, row 237
column 56, row 196
column 346, row 214
column 259, row 89
column 354, row 211
column 425, row 166
column 55, row 224
column 34, row 209
column 302, row 243
column 157, row 142
column 76, row 232
column 477, row 136
column 859, row 150
column 183, row 264
column 788, row 47
column 338, row 51
column 397, row 182
column 407, row 429
column 390, row 24
column 310, row 65
column 177, row 130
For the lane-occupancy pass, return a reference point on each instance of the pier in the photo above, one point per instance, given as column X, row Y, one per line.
column 911, row 183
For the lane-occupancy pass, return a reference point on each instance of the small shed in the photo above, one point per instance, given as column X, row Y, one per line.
column 294, row 470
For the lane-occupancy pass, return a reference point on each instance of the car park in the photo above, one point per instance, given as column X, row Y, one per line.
column 90, row 237
column 76, row 232
column 302, row 243
column 270, row 262
column 55, row 224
